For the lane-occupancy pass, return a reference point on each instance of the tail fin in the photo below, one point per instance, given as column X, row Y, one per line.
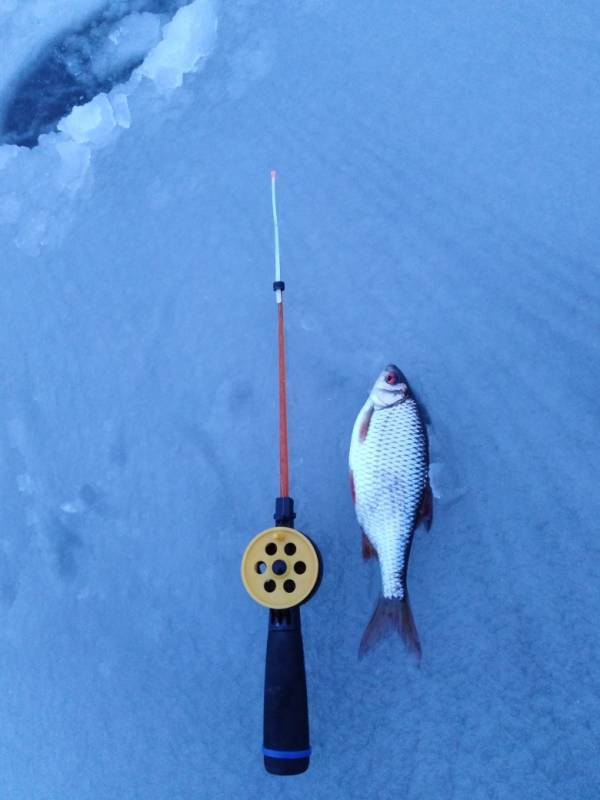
column 391, row 614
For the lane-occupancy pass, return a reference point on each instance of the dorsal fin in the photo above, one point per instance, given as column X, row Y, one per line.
column 425, row 512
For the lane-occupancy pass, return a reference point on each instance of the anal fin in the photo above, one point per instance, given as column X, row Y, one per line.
column 368, row 551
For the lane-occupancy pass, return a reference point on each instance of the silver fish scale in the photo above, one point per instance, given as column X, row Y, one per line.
column 390, row 472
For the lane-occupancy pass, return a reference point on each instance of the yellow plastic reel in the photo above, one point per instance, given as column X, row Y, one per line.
column 280, row 568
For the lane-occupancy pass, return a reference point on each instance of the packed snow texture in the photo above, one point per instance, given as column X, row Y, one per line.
column 438, row 208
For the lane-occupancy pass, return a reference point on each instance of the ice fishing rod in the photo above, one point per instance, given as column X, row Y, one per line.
column 281, row 569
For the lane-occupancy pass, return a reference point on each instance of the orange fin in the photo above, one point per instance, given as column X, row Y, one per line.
column 425, row 512
column 392, row 614
column 364, row 425
column 352, row 487
column 368, row 551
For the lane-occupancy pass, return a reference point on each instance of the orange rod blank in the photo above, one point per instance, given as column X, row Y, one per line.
column 284, row 470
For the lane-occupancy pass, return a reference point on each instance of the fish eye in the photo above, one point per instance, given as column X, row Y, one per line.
column 390, row 378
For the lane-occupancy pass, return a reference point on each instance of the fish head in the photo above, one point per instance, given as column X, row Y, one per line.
column 390, row 388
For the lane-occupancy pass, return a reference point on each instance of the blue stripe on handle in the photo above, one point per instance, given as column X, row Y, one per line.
column 286, row 753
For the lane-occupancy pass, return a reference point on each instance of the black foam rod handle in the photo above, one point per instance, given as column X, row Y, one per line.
column 286, row 743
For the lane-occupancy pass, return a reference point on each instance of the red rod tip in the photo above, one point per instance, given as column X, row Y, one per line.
column 273, row 173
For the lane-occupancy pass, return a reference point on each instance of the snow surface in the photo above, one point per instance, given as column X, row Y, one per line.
column 438, row 207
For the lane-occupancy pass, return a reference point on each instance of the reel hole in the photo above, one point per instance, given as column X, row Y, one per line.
column 279, row 567
column 260, row 567
column 270, row 586
column 299, row 567
column 290, row 549
column 271, row 549
column 289, row 586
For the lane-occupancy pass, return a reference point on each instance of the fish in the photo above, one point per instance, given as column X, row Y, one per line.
column 391, row 491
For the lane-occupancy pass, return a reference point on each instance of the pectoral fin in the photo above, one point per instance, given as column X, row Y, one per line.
column 364, row 425
column 352, row 487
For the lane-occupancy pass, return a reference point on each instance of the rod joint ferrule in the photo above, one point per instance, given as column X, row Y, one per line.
column 284, row 512
column 278, row 286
